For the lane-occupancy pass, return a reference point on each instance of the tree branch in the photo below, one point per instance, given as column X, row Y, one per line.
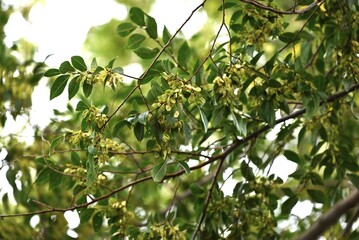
column 327, row 220
column 265, row 7
column 237, row 143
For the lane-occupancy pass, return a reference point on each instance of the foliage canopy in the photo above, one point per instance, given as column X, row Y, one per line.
column 150, row 157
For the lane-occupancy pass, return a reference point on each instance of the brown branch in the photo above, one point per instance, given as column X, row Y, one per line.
column 265, row 7
column 208, row 199
column 350, row 223
column 327, row 220
column 237, row 143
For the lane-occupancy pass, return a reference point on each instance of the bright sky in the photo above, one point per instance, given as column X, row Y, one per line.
column 60, row 28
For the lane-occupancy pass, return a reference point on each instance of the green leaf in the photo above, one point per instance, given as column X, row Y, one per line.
column 75, row 159
column 292, row 156
column 87, row 89
column 92, row 170
column 204, row 119
column 288, row 205
column 118, row 127
column 78, row 63
column 81, row 106
column 58, row 86
column 66, row 67
column 43, row 175
column 137, row 16
column 139, row 130
column 135, row 41
column 74, row 86
column 94, row 63
column 166, row 35
column 240, row 125
column 55, row 180
column 151, row 27
column 218, row 116
column 247, row 171
column 159, row 171
column 142, row 118
column 86, row 214
column 124, row 29
column 110, row 64
column 268, row 113
column 354, row 179
column 256, row 58
column 97, row 221
column 184, row 54
column 52, row 72
column 317, row 196
column 147, row 53
column 185, row 166
column 287, row 37
column 55, row 142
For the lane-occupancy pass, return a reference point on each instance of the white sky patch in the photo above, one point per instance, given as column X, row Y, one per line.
column 282, row 167
column 72, row 218
column 174, row 13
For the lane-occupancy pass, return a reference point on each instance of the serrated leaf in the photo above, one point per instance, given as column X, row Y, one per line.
column 288, row 205
column 159, row 171
column 124, row 29
column 292, row 156
column 52, row 72
column 151, row 27
column 147, row 53
column 184, row 54
column 204, row 119
column 66, row 67
column 74, row 86
column 185, row 166
column 86, row 214
column 137, row 16
column 78, row 63
column 81, row 106
column 87, row 89
column 135, row 41
column 55, row 142
column 92, row 169
column 58, row 86
column 240, row 125
column 317, row 196
column 139, row 130
column 97, row 221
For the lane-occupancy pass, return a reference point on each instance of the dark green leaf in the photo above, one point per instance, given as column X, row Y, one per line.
column 292, row 156
column 124, row 29
column 118, row 127
column 256, row 58
column 43, row 175
column 268, row 112
column 97, row 221
column 75, row 159
column 151, row 27
column 218, row 116
column 139, row 130
column 110, row 64
column 288, row 205
column 166, row 35
column 135, row 41
column 204, row 119
column 137, row 16
column 58, row 86
column 287, row 37
column 147, row 53
column 354, row 179
column 66, row 67
column 317, row 196
column 246, row 171
column 74, row 86
column 55, row 142
column 86, row 214
column 52, row 72
column 240, row 125
column 87, row 89
column 78, row 189
column 184, row 54
column 55, row 179
column 78, row 63
column 185, row 166
column 92, row 170
column 81, row 106
column 159, row 171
